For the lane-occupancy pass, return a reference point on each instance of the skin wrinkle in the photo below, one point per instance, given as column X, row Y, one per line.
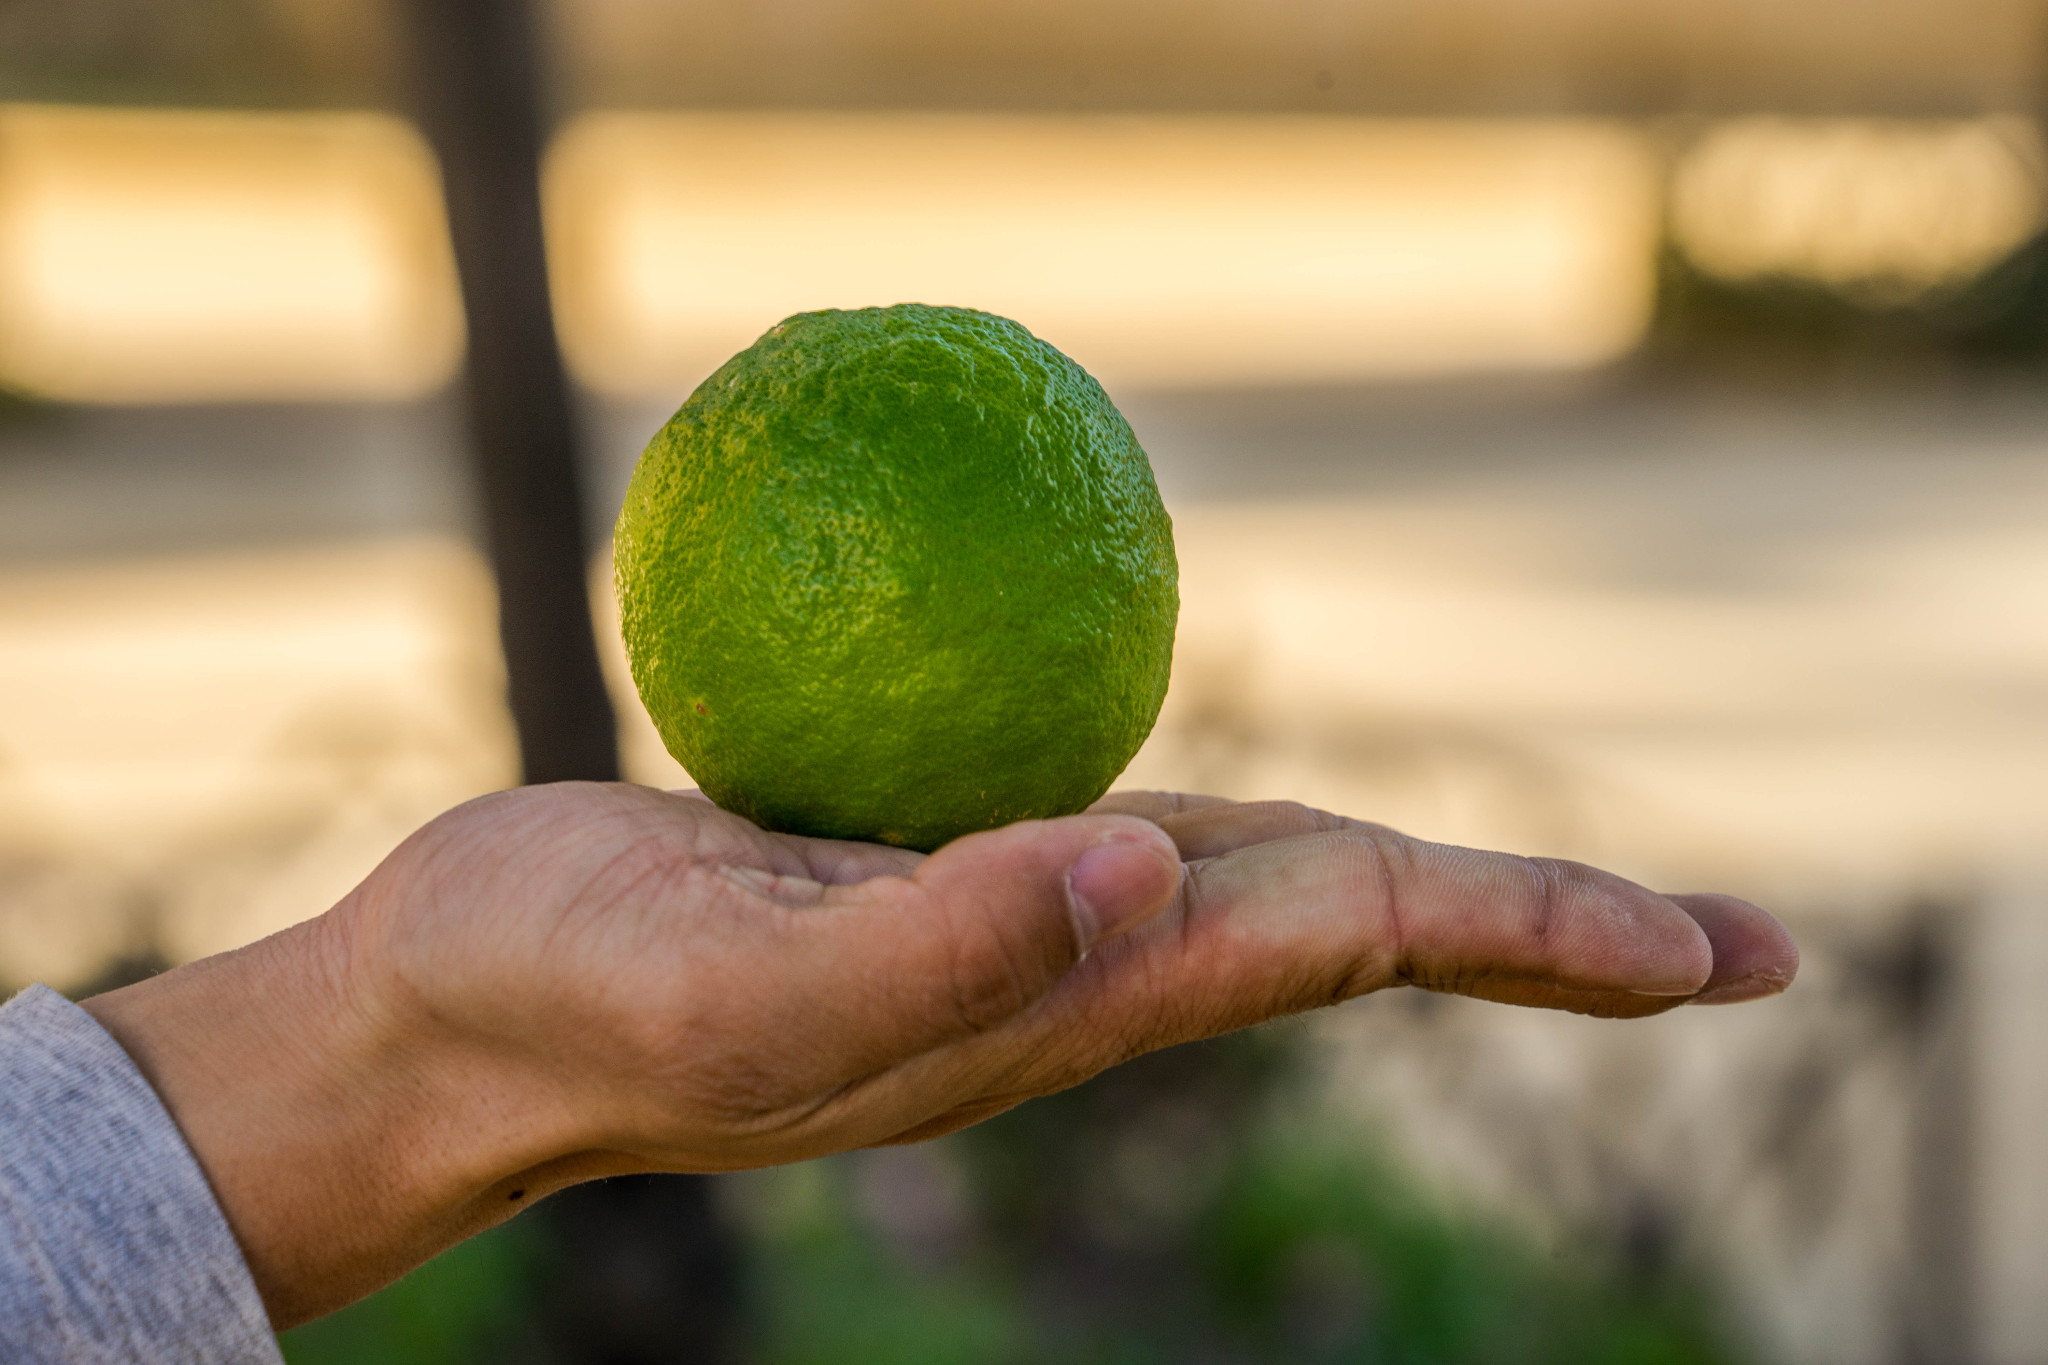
column 694, row 1013
column 1359, row 870
column 1352, row 853
column 797, row 893
column 1186, row 899
column 1182, row 910
column 791, row 938
column 901, row 1119
column 592, row 920
column 1174, row 1017
column 648, row 859
column 952, row 1122
column 786, row 1119
column 984, row 999
column 1551, row 889
column 1164, row 1020
column 843, row 865
column 340, row 957
column 1033, row 1070
column 1396, row 932
column 716, row 843
column 1541, row 885
column 1322, row 821
column 751, row 1099
column 1170, row 1016
column 724, row 1090
column 1562, row 880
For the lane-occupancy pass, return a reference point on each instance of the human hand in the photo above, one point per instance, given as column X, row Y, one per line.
column 557, row 983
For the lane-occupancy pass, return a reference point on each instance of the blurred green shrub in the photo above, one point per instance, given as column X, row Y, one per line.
column 460, row 1306
column 1187, row 1208
column 1786, row 327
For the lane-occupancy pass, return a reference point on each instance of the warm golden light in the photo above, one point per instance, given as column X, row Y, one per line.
column 1155, row 250
column 1908, row 205
column 151, row 255
column 204, row 750
column 177, row 256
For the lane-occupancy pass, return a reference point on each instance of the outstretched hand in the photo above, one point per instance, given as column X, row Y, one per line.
column 557, row 983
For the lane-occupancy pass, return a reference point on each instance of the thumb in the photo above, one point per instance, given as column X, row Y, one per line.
column 1098, row 874
column 988, row 924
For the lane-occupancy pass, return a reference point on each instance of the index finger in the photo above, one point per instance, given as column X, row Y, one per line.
column 1753, row 956
column 1315, row 918
column 1287, row 925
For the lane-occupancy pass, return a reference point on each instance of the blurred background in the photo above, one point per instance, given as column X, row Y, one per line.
column 1609, row 430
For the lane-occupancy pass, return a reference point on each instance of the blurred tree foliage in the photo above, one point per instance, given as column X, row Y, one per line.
column 1188, row 1207
column 15, row 406
column 451, row 1310
column 243, row 53
column 1787, row 327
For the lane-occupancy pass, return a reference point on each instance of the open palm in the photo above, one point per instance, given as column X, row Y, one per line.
column 728, row 997
column 556, row 983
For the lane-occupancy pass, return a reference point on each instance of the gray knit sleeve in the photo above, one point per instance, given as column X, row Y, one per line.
column 112, row 1248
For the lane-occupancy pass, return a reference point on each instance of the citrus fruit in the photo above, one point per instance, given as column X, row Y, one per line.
column 898, row 574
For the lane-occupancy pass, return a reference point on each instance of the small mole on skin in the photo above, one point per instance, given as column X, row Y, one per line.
column 518, row 1195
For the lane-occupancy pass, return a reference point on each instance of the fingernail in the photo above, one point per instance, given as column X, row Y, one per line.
column 1113, row 884
column 1663, row 992
column 1755, row 986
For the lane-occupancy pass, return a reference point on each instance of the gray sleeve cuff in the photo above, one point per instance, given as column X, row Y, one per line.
column 112, row 1248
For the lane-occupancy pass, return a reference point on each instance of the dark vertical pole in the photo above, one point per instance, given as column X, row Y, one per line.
column 476, row 86
column 1941, row 1300
column 641, row 1273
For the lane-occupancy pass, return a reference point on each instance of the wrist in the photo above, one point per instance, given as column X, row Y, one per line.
column 345, row 1140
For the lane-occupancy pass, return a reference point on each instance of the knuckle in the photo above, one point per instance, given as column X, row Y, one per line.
column 992, row 975
column 1379, row 870
column 1552, row 883
column 1297, row 817
column 1321, row 821
column 1303, row 818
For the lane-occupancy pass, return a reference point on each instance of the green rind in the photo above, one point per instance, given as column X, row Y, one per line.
column 898, row 574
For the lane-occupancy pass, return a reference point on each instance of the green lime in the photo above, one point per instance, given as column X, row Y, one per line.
column 898, row 574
